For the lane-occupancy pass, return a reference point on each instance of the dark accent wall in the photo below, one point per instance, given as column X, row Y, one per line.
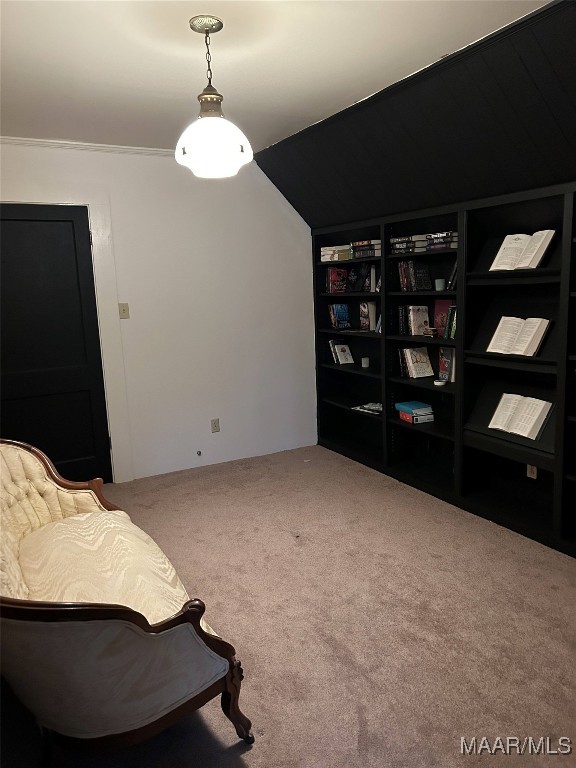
column 497, row 117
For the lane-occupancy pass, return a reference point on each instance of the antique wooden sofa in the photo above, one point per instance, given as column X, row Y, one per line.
column 99, row 637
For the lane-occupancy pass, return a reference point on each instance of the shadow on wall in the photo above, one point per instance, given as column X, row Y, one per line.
column 188, row 744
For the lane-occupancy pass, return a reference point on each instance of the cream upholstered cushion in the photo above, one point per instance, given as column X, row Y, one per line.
column 101, row 557
column 29, row 499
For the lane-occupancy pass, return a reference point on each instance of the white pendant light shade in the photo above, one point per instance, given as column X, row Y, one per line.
column 213, row 148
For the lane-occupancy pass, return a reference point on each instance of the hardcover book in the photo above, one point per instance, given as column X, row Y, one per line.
column 339, row 315
column 441, row 308
column 343, row 354
column 418, row 362
column 413, row 419
column 445, row 362
column 414, row 407
column 418, row 320
column 367, row 315
column 336, row 280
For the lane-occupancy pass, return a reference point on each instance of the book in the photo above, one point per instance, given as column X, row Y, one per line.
column 412, row 419
column 339, row 315
column 367, row 315
column 520, row 415
column 359, row 278
column 418, row 320
column 445, row 363
column 414, row 407
column 522, row 251
column 515, row 336
column 422, row 279
column 341, row 353
column 441, row 308
column 445, row 235
column 374, row 408
column 336, row 280
column 451, row 284
column 418, row 362
column 335, row 252
column 450, row 329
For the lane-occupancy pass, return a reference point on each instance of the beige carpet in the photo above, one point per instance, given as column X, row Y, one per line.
column 376, row 624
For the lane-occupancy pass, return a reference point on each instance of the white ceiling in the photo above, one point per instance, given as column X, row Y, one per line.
column 128, row 72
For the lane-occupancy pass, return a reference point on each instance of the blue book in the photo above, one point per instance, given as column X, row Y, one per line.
column 415, row 407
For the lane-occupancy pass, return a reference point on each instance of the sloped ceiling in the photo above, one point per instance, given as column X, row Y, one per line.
column 497, row 117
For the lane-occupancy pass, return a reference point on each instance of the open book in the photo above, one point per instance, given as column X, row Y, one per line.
column 522, row 251
column 520, row 415
column 515, row 336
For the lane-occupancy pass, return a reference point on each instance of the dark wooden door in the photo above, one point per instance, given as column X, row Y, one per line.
column 52, row 392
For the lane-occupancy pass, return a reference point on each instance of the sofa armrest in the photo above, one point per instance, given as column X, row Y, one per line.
column 114, row 672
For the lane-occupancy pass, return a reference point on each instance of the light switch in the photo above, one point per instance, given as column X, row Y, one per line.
column 124, row 311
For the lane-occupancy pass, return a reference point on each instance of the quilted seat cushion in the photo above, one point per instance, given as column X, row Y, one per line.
column 101, row 557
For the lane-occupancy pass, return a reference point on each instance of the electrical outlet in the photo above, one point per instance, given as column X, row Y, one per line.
column 215, row 425
column 124, row 311
column 531, row 471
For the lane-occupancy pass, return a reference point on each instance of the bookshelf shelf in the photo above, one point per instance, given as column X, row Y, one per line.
column 422, row 340
column 457, row 457
column 424, row 383
column 428, row 429
column 511, row 362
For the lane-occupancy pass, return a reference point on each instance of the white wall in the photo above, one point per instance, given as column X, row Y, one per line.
column 218, row 277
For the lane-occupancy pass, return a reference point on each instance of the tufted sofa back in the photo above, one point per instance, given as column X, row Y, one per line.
column 29, row 499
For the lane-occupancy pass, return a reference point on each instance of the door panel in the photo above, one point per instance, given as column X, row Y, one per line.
column 52, row 382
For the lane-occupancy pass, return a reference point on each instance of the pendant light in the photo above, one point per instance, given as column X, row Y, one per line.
column 212, row 147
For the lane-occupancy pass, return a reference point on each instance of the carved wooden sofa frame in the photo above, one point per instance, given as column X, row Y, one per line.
column 39, row 612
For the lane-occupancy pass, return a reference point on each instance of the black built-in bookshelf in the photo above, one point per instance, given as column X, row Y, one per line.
column 457, row 457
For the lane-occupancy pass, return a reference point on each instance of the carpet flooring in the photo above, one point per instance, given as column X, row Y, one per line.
column 376, row 625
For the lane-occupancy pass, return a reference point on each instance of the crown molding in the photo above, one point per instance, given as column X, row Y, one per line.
column 79, row 145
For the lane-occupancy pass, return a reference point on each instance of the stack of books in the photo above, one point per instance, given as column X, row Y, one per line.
column 431, row 241
column 414, row 276
column 414, row 412
column 366, row 249
column 336, row 252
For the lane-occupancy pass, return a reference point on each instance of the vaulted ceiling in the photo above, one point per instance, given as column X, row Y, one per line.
column 128, row 72
column 497, row 117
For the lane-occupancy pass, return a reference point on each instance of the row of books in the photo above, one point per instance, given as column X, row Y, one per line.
column 414, row 276
column 431, row 241
column 368, row 320
column 414, row 320
column 357, row 249
column 353, row 279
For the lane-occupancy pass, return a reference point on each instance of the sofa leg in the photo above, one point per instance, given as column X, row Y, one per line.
column 229, row 702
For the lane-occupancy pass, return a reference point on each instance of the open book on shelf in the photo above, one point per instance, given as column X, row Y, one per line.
column 515, row 336
column 520, row 415
column 522, row 251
